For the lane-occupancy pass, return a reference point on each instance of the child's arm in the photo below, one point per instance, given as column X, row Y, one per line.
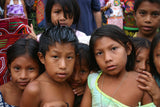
column 87, row 98
column 31, row 96
column 5, row 8
column 150, row 86
column 79, row 90
column 24, row 8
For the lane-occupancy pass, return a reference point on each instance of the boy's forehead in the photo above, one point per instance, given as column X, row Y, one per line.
column 150, row 5
column 61, row 45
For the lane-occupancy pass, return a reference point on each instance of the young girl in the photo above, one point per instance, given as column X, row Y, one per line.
column 142, row 47
column 81, row 71
column 64, row 12
column 15, row 8
column 151, row 84
column 115, row 83
column 24, row 66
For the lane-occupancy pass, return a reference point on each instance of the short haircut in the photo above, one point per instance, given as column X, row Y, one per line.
column 138, row 3
column 60, row 34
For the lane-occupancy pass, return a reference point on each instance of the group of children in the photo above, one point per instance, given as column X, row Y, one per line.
column 114, row 70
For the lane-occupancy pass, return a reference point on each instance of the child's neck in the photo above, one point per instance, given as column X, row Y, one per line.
column 149, row 36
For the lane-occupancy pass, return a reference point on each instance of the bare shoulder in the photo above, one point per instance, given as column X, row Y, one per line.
column 33, row 87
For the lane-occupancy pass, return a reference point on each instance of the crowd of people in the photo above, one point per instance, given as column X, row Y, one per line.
column 84, row 53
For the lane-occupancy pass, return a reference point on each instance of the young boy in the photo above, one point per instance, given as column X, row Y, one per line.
column 147, row 16
column 57, row 51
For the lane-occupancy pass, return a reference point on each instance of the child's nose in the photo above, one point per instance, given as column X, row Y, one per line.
column 148, row 19
column 107, row 57
column 76, row 77
column 23, row 74
column 143, row 66
column 62, row 64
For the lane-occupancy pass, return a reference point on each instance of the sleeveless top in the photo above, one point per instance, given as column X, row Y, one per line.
column 101, row 99
column 3, row 103
column 15, row 9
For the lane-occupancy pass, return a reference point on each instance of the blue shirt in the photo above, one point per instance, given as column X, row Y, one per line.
column 87, row 22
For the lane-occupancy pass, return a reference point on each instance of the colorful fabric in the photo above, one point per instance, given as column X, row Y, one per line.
column 15, row 9
column 99, row 98
column 118, row 21
column 11, row 29
column 40, row 13
column 3, row 103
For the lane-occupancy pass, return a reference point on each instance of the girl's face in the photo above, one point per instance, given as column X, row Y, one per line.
column 110, row 55
column 156, row 57
column 23, row 70
column 80, row 74
column 142, row 60
column 57, row 14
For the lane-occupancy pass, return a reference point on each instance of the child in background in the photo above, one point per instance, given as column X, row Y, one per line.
column 142, row 47
column 146, row 78
column 81, row 71
column 64, row 12
column 147, row 16
column 15, row 8
column 24, row 66
column 113, row 55
column 57, row 51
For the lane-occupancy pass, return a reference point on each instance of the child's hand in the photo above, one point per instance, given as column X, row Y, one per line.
column 56, row 104
column 79, row 90
column 32, row 33
column 149, row 85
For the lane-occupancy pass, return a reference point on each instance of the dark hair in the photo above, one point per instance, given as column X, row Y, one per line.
column 24, row 46
column 154, row 43
column 116, row 34
column 70, row 7
column 138, row 3
column 60, row 34
column 84, row 53
column 140, row 43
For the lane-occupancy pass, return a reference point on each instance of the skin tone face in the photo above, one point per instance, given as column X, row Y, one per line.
column 61, row 57
column 57, row 14
column 147, row 18
column 78, row 78
column 110, row 55
column 142, row 60
column 157, row 57
column 23, row 70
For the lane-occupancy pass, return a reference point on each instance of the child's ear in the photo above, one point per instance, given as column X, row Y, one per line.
column 129, row 48
column 41, row 57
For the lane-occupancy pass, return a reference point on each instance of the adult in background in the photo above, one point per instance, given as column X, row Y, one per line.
column 90, row 16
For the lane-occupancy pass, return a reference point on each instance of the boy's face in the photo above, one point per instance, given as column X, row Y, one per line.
column 147, row 18
column 57, row 14
column 59, row 61
column 23, row 70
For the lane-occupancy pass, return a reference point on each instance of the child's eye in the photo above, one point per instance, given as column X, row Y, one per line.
column 147, row 62
column 142, row 12
column 114, row 48
column 99, row 53
column 58, row 11
column 155, row 14
column 31, row 69
column 138, row 61
column 55, row 57
column 16, row 68
column 69, row 57
column 83, row 71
